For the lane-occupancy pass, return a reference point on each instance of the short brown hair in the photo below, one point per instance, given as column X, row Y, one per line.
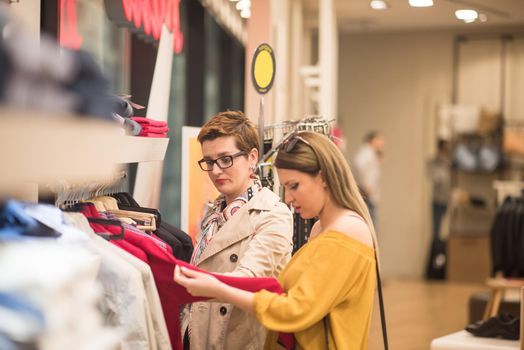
column 231, row 123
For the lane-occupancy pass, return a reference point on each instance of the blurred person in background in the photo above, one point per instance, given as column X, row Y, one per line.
column 439, row 171
column 367, row 165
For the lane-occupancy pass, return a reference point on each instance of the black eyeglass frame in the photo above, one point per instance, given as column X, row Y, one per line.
column 202, row 161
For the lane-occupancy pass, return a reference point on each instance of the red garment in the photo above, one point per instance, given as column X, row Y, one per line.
column 172, row 294
column 155, row 129
column 147, row 121
column 131, row 249
column 152, row 134
column 90, row 211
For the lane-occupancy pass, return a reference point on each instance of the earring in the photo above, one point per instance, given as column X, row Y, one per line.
column 253, row 174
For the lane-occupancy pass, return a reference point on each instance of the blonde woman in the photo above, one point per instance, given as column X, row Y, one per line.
column 330, row 281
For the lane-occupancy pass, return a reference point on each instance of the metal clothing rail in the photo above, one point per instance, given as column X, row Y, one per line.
column 314, row 124
column 68, row 194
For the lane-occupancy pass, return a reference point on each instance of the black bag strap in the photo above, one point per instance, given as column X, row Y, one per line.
column 326, row 329
column 381, row 307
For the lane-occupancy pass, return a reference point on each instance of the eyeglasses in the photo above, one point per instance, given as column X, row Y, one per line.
column 222, row 162
column 288, row 145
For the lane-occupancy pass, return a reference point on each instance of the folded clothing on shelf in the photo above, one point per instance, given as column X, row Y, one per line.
column 149, row 122
column 154, row 129
column 153, row 134
column 151, row 127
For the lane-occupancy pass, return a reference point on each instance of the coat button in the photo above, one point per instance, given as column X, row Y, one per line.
column 223, row 311
column 233, row 258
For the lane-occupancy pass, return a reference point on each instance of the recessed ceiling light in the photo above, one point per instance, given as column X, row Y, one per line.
column 468, row 16
column 378, row 5
column 421, row 3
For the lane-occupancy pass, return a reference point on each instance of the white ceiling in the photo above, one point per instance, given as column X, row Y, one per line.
column 356, row 15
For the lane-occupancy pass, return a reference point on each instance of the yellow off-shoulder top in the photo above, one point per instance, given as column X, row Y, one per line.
column 333, row 275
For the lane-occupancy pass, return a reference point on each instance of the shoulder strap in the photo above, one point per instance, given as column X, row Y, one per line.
column 326, row 329
column 381, row 306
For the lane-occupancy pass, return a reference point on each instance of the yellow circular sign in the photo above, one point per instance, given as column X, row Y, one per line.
column 263, row 68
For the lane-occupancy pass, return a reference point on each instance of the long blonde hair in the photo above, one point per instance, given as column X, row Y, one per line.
column 320, row 154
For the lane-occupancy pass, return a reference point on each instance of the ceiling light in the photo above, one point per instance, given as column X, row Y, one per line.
column 243, row 4
column 245, row 13
column 421, row 3
column 378, row 5
column 467, row 16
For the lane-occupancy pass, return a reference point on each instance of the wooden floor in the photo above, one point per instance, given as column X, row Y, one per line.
column 419, row 311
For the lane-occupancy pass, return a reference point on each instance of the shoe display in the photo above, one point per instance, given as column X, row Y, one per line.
column 503, row 326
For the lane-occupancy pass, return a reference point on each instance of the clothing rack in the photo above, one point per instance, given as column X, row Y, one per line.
column 314, row 124
column 68, row 194
column 286, row 129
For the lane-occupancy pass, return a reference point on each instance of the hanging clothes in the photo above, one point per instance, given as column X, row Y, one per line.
column 126, row 307
column 507, row 238
column 159, row 329
column 173, row 295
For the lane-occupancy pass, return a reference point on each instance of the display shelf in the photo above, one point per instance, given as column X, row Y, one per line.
column 40, row 148
column 135, row 149
column 464, row 341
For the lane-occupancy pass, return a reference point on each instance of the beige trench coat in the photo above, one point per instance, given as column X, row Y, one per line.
column 256, row 241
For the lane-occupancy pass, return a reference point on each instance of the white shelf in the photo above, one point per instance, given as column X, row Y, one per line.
column 464, row 341
column 42, row 148
column 135, row 149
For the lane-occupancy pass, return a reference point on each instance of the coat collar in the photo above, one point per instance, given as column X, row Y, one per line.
column 240, row 226
column 264, row 200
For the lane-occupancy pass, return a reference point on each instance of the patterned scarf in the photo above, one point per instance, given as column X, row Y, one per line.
column 217, row 216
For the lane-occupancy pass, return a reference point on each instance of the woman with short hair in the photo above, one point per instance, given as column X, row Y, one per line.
column 247, row 233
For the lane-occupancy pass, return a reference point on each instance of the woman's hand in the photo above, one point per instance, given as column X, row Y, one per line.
column 198, row 284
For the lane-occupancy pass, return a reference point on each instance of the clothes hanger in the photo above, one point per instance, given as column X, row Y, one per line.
column 109, row 202
column 109, row 222
column 110, row 205
column 98, row 205
column 147, row 222
column 126, row 202
column 80, row 206
column 126, row 199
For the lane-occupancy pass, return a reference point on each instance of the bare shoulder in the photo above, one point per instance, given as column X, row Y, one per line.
column 354, row 227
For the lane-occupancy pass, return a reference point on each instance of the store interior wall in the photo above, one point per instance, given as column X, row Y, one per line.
column 394, row 83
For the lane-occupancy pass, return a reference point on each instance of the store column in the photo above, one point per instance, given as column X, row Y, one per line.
column 328, row 59
column 259, row 31
column 149, row 175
